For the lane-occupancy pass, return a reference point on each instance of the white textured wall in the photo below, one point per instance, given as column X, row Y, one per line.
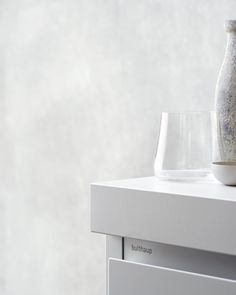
column 83, row 83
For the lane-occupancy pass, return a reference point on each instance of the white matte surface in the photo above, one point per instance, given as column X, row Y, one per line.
column 195, row 215
column 129, row 278
column 203, row 189
column 114, row 250
column 180, row 258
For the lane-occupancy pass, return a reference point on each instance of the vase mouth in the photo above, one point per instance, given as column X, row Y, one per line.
column 230, row 25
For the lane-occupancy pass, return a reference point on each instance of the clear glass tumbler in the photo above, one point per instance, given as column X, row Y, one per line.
column 184, row 150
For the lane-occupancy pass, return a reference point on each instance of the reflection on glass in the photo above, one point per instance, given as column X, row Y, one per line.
column 184, row 150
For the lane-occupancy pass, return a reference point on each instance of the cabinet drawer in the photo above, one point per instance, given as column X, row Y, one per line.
column 129, row 278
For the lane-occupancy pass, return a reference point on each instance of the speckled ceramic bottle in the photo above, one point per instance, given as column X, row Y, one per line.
column 225, row 100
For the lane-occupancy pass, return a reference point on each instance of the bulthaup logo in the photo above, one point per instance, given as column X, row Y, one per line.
column 141, row 249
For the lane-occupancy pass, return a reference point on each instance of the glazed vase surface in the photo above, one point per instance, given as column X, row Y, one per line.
column 225, row 99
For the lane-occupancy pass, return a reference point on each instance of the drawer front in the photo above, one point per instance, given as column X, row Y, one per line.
column 129, row 278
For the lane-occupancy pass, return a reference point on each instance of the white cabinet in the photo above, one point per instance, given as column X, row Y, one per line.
column 128, row 278
column 190, row 228
column 194, row 215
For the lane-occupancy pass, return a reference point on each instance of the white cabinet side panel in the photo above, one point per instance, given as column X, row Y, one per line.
column 113, row 250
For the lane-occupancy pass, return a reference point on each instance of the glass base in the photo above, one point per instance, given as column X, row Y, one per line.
column 185, row 175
